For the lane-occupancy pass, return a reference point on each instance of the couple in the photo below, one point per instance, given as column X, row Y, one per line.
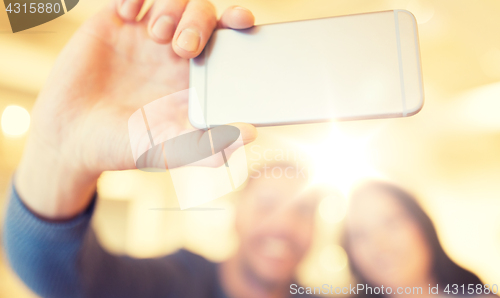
column 111, row 67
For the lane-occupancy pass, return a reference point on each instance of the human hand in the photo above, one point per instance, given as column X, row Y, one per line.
column 111, row 67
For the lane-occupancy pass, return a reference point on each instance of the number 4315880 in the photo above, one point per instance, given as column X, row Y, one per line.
column 33, row 8
column 471, row 289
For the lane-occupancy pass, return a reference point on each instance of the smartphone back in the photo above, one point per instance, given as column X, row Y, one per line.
column 340, row 68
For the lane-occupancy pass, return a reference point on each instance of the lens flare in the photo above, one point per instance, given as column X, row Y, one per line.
column 340, row 160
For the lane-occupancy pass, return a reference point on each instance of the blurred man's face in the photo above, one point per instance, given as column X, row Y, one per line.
column 275, row 223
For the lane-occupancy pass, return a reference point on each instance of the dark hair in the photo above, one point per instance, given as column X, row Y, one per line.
column 445, row 270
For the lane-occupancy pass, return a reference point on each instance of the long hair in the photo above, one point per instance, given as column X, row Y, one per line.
column 445, row 270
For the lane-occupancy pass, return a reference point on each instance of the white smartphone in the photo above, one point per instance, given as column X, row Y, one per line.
column 340, row 68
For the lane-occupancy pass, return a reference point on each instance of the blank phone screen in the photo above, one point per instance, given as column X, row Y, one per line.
column 349, row 67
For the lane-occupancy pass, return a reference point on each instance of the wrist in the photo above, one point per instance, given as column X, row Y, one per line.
column 51, row 186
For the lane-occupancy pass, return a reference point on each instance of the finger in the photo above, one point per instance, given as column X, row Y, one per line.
column 248, row 132
column 237, row 17
column 129, row 9
column 163, row 18
column 194, row 29
column 224, row 140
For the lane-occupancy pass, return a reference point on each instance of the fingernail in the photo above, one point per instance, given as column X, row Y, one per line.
column 128, row 9
column 163, row 28
column 189, row 40
column 242, row 9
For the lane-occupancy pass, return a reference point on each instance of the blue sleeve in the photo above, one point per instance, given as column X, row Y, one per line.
column 43, row 253
column 64, row 259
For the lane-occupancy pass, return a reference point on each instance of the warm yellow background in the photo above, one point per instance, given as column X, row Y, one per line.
column 449, row 154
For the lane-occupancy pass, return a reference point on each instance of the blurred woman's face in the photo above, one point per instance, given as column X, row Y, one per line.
column 387, row 245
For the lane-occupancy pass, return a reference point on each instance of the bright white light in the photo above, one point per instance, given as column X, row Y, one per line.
column 333, row 258
column 332, row 209
column 15, row 120
column 340, row 160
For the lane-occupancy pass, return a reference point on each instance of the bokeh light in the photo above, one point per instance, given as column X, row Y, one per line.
column 15, row 121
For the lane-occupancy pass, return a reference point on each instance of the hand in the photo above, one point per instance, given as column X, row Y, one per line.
column 111, row 67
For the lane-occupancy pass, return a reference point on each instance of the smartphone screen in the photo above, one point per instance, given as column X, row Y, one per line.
column 339, row 68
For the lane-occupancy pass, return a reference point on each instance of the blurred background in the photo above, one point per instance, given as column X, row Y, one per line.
column 448, row 154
